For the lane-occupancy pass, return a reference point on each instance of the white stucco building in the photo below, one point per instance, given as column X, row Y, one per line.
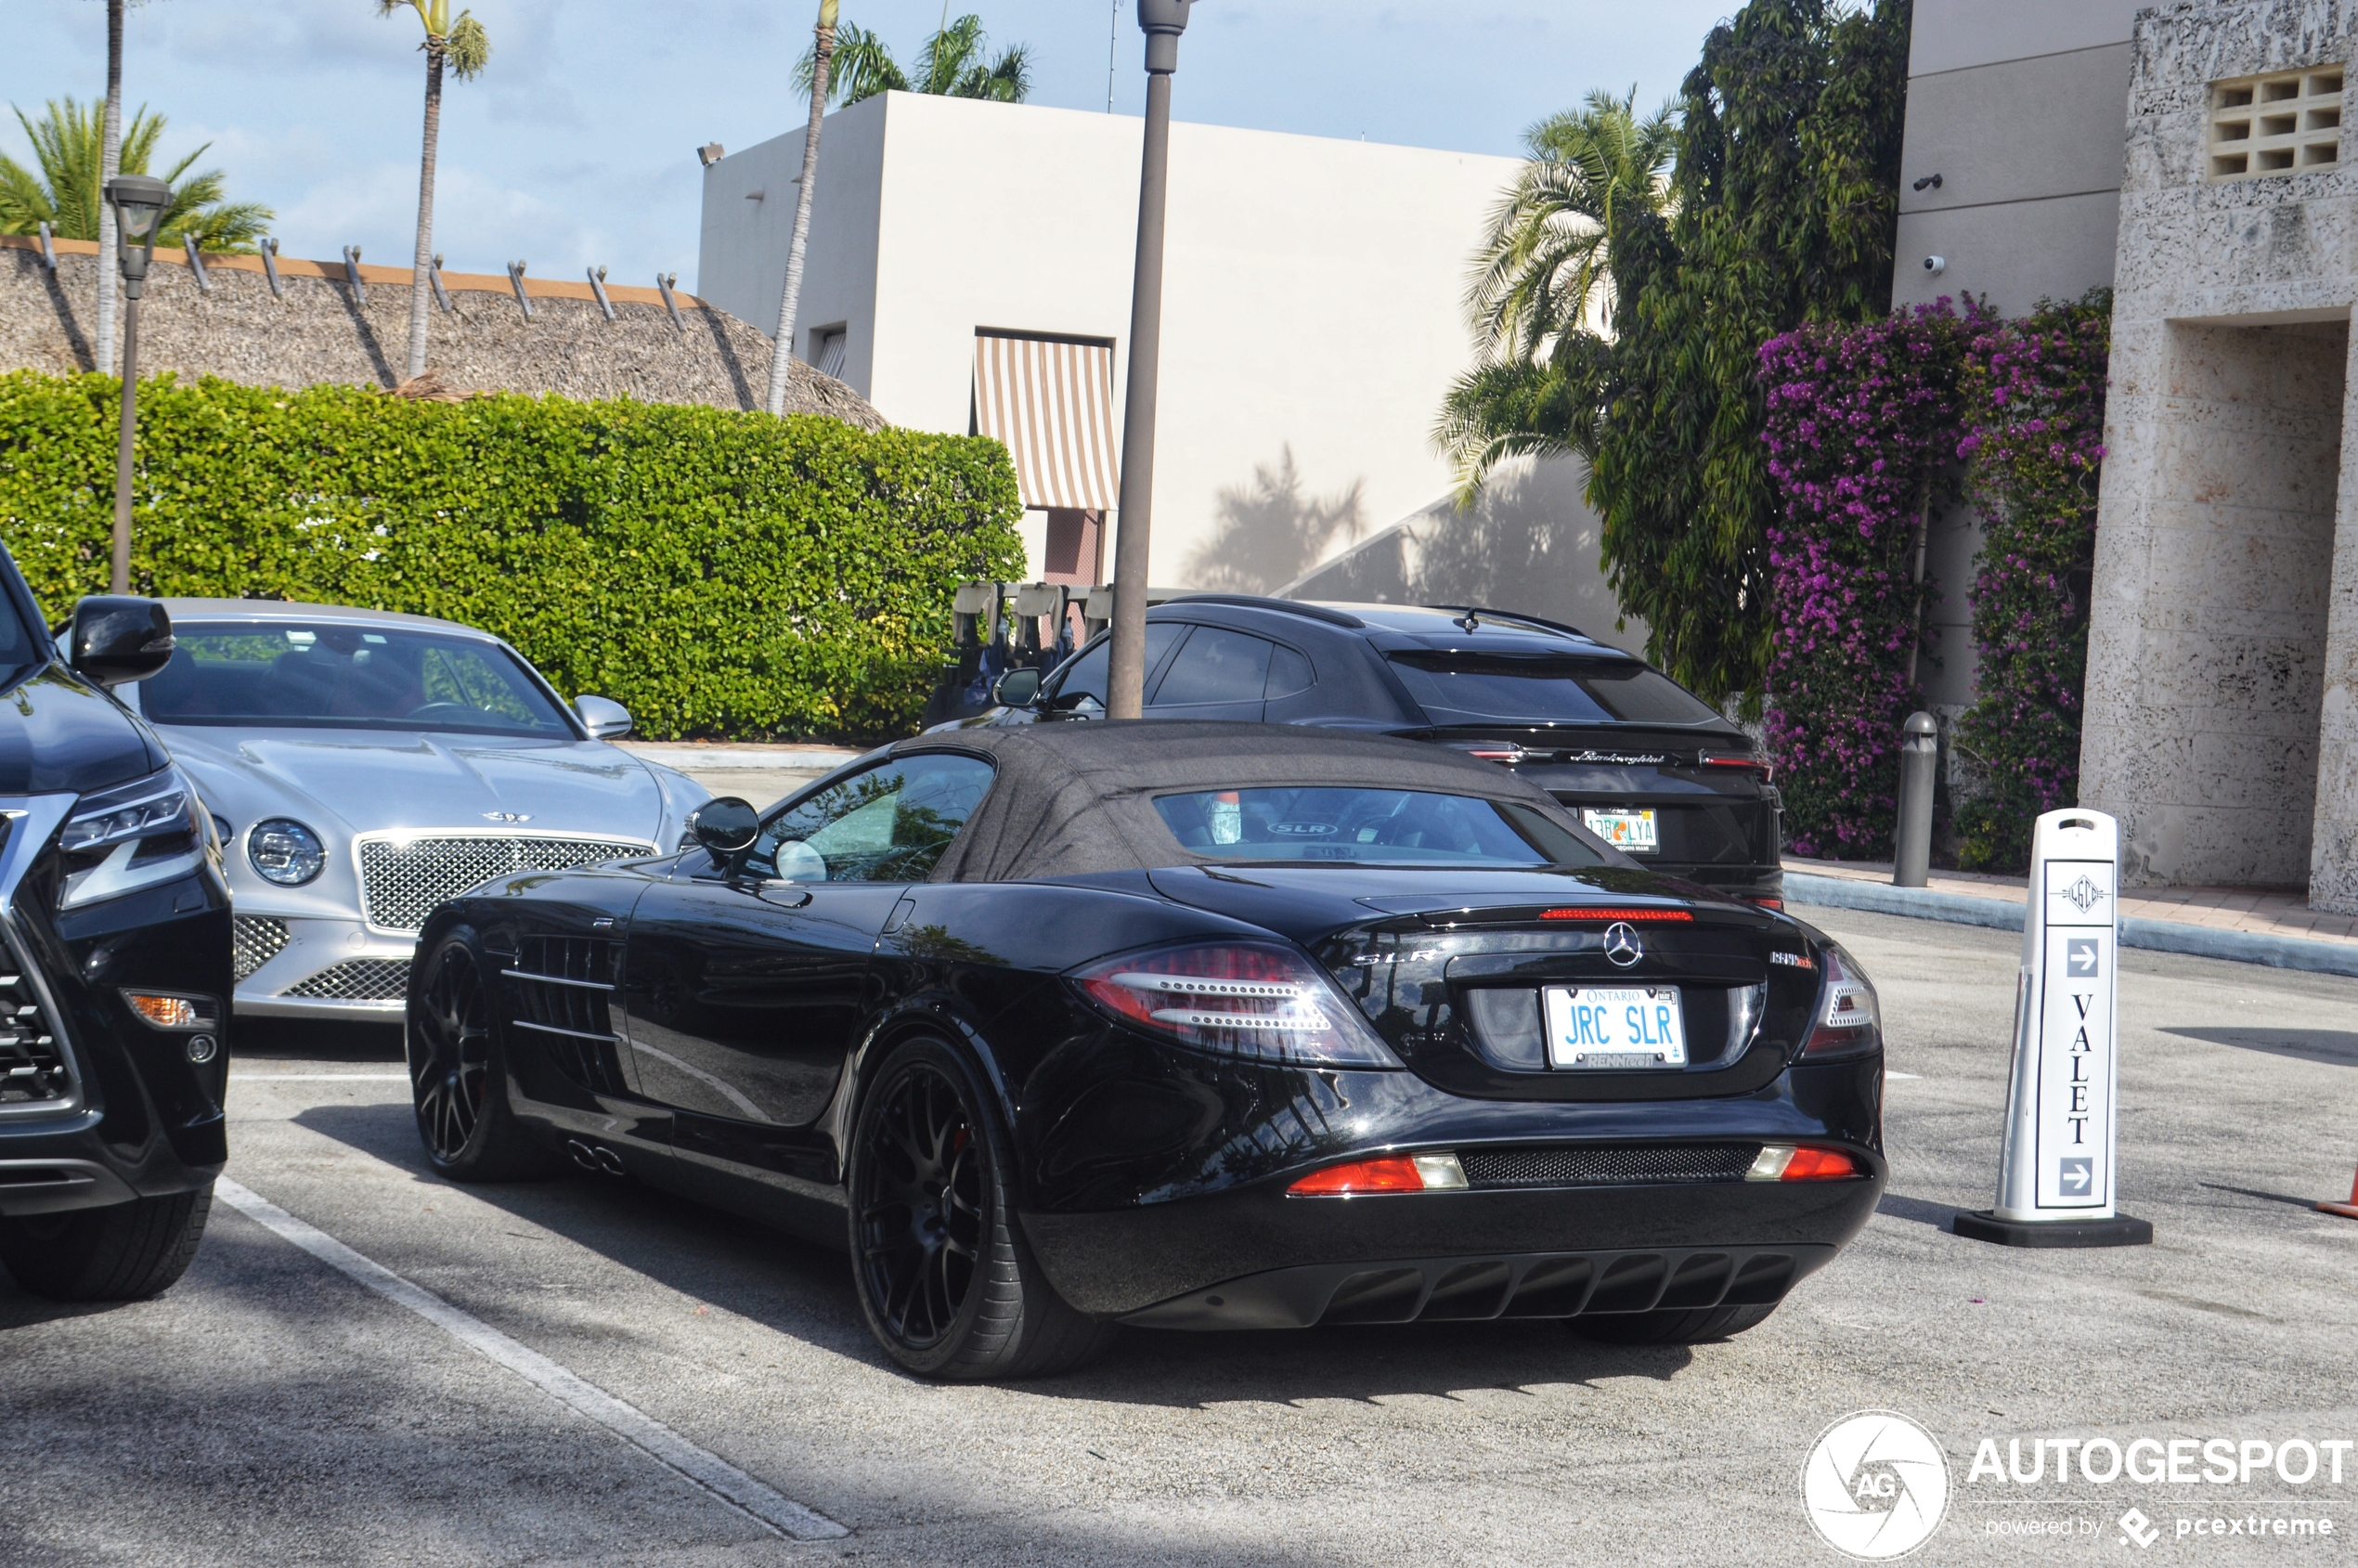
column 2188, row 155
column 969, row 270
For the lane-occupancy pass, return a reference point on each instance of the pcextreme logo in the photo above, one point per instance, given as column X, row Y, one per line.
column 1875, row 1485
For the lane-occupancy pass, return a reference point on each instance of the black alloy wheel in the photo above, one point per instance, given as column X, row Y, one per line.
column 456, row 1072
column 920, row 1207
column 944, row 1277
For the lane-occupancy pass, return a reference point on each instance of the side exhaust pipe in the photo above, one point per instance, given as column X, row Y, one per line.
column 595, row 1156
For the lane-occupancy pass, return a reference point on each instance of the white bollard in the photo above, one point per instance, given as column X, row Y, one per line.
column 2055, row 1175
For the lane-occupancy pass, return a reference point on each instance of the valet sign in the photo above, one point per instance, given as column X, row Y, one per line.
column 2076, row 989
column 2056, row 1171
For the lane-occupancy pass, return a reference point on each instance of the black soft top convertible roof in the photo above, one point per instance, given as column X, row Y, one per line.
column 1073, row 799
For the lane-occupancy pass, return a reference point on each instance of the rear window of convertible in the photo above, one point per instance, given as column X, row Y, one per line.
column 1371, row 826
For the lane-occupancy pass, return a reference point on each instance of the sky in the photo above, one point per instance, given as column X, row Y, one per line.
column 576, row 148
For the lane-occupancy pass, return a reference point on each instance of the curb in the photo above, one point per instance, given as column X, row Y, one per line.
column 2158, row 936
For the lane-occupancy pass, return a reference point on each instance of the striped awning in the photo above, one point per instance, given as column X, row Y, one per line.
column 1050, row 401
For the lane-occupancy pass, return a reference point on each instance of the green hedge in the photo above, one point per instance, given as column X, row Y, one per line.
column 716, row 573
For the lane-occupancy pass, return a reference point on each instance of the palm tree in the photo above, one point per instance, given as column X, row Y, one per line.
column 109, row 165
column 1540, row 297
column 790, row 300
column 68, row 143
column 463, row 46
column 952, row 64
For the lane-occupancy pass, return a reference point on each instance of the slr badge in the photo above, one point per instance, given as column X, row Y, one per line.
column 1622, row 945
column 507, row 816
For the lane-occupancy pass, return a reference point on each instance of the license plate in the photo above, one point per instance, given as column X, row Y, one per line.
column 1620, row 1029
column 1630, row 832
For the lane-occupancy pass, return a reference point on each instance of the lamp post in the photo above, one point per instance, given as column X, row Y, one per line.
column 1163, row 21
column 138, row 201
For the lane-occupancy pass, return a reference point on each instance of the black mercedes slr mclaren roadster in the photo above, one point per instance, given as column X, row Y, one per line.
column 1189, row 1026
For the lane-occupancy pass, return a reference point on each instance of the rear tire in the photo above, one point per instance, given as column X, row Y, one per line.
column 1687, row 1326
column 122, row 1252
column 458, row 1071
column 945, row 1279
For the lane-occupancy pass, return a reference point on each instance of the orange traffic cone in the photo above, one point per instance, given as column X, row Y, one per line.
column 2349, row 1209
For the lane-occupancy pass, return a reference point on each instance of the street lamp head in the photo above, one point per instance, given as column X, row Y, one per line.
column 1163, row 21
column 139, row 202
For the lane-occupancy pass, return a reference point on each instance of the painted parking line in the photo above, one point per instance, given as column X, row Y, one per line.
column 319, row 1078
column 1888, row 1072
column 725, row 1482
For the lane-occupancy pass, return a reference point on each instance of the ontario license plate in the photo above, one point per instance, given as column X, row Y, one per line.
column 1630, row 832
column 1621, row 1029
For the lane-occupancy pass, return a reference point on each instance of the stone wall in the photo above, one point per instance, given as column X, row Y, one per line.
column 2222, row 659
column 321, row 329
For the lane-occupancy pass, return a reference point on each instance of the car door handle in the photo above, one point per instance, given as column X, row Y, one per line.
column 786, row 895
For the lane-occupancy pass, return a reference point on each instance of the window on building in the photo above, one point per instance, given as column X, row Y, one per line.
column 827, row 351
column 2275, row 125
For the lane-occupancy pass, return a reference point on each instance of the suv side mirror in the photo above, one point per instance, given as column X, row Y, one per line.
column 724, row 826
column 116, row 638
column 1018, row 688
column 603, row 716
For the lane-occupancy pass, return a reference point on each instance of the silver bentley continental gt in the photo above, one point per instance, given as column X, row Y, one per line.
column 363, row 766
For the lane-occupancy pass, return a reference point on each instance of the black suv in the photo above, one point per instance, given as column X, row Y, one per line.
column 114, row 964
column 1653, row 769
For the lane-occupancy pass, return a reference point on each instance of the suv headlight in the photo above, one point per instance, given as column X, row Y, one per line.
column 284, row 851
column 135, row 836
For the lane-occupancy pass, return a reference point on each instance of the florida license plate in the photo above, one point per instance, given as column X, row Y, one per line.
column 1630, row 832
column 1619, row 1029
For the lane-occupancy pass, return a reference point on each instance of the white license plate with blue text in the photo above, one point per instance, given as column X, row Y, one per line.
column 1614, row 1028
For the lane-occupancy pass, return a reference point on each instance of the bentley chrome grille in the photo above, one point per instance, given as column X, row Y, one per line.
column 255, row 939
column 356, row 980
column 33, row 1061
column 402, row 880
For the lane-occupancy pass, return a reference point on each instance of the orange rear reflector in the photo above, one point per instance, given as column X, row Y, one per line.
column 1608, row 913
column 1818, row 1165
column 1392, row 1173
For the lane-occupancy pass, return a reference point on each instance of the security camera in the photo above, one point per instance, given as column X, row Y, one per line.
column 1935, row 264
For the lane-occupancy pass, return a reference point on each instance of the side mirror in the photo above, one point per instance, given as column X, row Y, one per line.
column 116, row 638
column 1018, row 688
column 604, row 717
column 725, row 826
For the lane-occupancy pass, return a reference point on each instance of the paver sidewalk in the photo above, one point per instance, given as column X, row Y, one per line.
column 2252, row 911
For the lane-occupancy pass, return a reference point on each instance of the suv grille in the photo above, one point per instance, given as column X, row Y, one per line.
column 255, row 939
column 356, row 980
column 401, row 882
column 32, row 1065
column 1624, row 1166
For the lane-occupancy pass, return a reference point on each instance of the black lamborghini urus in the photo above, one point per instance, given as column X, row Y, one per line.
column 1646, row 764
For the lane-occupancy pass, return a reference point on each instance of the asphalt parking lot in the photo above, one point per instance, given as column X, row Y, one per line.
column 273, row 1409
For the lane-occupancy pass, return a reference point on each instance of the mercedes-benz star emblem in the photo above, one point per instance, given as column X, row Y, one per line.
column 1621, row 944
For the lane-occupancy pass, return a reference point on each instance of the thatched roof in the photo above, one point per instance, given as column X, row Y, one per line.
column 318, row 331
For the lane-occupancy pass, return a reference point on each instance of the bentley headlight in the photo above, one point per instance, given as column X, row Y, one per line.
column 135, row 836
column 286, row 852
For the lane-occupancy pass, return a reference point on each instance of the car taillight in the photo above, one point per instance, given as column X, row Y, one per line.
column 1611, row 912
column 1238, row 999
column 1770, row 904
column 1736, row 759
column 1849, row 1019
column 1788, row 1162
column 1395, row 1173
